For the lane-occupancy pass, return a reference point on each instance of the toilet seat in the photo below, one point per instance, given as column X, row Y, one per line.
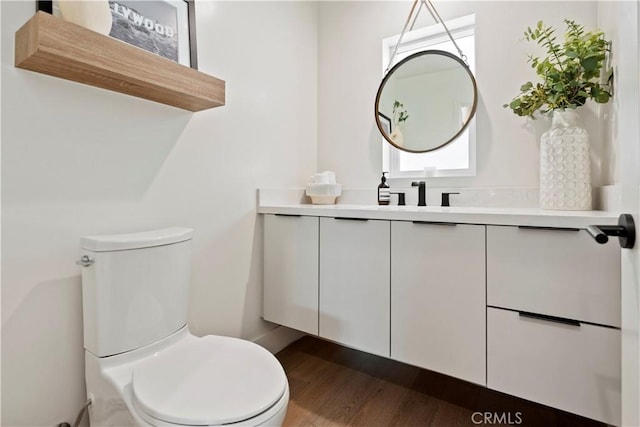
column 208, row 381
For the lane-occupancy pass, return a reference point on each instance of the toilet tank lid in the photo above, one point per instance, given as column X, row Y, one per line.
column 145, row 239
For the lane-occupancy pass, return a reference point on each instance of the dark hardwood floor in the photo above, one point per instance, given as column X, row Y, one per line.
column 335, row 386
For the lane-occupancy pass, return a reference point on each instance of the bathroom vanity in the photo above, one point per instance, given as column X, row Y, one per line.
column 522, row 301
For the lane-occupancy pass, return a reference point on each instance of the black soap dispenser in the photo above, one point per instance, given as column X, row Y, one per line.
column 384, row 194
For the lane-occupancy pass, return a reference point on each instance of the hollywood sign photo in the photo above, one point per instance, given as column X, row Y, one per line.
column 149, row 25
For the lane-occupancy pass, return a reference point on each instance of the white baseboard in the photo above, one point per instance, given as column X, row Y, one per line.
column 278, row 338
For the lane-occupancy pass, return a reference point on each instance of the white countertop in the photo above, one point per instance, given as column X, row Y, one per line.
column 463, row 215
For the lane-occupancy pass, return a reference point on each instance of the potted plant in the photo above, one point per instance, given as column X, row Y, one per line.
column 571, row 74
column 399, row 116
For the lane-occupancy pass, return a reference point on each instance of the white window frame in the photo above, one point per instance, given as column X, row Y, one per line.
column 415, row 41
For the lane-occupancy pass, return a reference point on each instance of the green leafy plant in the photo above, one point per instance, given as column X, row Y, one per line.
column 570, row 71
column 399, row 113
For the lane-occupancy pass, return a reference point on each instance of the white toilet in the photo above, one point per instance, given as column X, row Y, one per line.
column 142, row 365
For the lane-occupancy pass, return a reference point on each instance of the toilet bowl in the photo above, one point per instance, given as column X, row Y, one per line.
column 187, row 380
column 138, row 371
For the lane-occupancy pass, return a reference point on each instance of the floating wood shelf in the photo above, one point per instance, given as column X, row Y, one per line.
column 49, row 45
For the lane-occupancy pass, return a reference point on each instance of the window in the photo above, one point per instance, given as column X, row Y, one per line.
column 457, row 158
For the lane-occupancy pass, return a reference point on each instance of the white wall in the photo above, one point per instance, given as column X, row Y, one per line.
column 301, row 82
column 350, row 70
column 79, row 160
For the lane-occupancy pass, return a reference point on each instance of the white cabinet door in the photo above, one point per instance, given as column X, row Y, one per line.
column 575, row 368
column 557, row 272
column 438, row 298
column 354, row 283
column 291, row 271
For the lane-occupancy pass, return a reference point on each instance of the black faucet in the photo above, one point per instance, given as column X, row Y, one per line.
column 401, row 201
column 421, row 192
column 445, row 199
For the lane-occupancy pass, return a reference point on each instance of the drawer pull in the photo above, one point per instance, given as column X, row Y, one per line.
column 533, row 227
column 289, row 215
column 344, row 218
column 450, row 224
column 554, row 319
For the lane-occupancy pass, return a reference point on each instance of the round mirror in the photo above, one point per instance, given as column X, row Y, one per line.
column 426, row 101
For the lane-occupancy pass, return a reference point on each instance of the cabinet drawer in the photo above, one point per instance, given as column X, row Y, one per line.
column 291, row 271
column 557, row 272
column 573, row 368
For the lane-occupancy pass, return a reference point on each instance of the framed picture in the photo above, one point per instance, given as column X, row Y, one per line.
column 164, row 27
column 386, row 123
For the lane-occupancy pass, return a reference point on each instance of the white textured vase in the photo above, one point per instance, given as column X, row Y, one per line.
column 397, row 137
column 565, row 168
column 92, row 14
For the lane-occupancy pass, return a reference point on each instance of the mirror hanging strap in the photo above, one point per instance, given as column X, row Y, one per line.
column 434, row 12
column 436, row 16
column 404, row 30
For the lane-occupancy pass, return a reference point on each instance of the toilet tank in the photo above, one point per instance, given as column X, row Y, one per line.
column 135, row 292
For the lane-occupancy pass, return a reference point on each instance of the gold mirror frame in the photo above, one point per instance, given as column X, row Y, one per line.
column 400, row 64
